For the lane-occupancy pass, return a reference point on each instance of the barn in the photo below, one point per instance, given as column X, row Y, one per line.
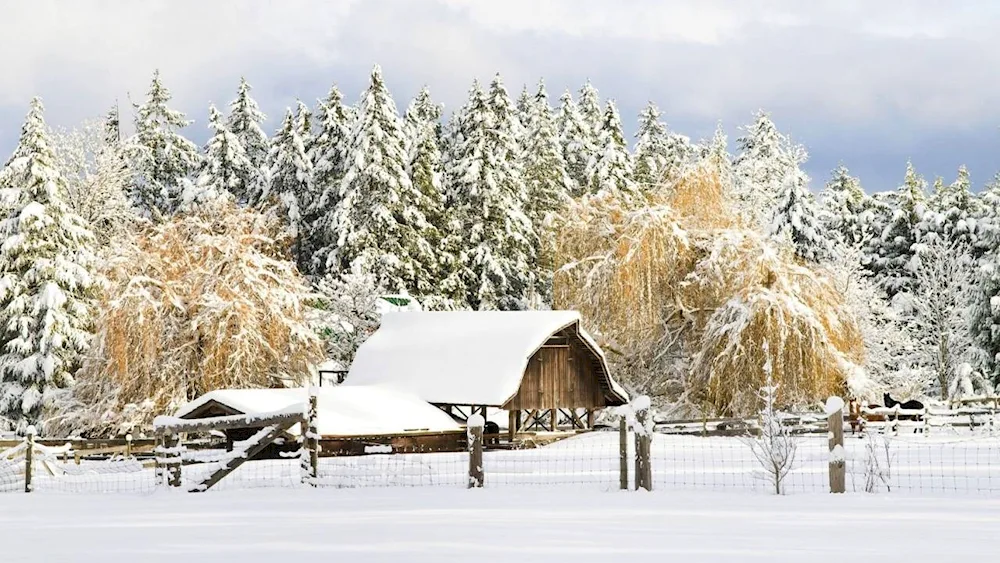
column 540, row 366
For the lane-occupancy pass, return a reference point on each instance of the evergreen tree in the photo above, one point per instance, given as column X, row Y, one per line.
column 487, row 193
column 244, row 122
column 422, row 126
column 953, row 213
column 610, row 169
column 546, row 180
column 715, row 154
column 161, row 157
column 44, row 279
column 225, row 167
column 577, row 141
column 844, row 205
column 290, row 172
column 378, row 219
column 797, row 219
column 764, row 160
column 329, row 152
column 590, row 109
column 893, row 263
column 659, row 154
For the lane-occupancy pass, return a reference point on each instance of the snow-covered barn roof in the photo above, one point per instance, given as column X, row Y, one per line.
column 341, row 410
column 463, row 357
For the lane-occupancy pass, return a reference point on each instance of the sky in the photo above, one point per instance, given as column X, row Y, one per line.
column 867, row 84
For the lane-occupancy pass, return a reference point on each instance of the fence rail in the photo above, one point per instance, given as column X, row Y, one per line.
column 882, row 458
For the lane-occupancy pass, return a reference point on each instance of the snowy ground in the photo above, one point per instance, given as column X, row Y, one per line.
column 434, row 524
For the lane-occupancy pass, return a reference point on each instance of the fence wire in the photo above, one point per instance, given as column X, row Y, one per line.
column 877, row 461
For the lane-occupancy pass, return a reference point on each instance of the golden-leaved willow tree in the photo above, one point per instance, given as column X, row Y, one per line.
column 685, row 297
column 203, row 301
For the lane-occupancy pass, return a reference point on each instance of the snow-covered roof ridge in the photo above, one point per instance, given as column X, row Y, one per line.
column 462, row 357
column 341, row 411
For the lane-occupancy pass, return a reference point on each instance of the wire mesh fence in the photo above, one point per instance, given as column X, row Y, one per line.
column 877, row 461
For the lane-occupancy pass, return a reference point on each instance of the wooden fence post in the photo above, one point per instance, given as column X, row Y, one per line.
column 29, row 457
column 172, row 443
column 643, row 439
column 312, row 438
column 623, row 452
column 128, row 446
column 838, row 463
column 475, row 425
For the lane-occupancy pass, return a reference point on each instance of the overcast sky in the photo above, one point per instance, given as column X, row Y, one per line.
column 866, row 83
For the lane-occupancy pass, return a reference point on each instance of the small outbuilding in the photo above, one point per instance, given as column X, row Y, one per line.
column 541, row 366
column 344, row 414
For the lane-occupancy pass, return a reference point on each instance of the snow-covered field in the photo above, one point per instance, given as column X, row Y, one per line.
column 434, row 524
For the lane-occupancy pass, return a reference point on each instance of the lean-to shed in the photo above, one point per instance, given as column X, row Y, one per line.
column 541, row 366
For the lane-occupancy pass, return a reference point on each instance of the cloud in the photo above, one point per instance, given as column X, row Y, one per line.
column 891, row 77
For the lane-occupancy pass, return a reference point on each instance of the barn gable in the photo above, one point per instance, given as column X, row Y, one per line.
column 488, row 358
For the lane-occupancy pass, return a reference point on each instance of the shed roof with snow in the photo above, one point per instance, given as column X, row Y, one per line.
column 510, row 359
column 341, row 411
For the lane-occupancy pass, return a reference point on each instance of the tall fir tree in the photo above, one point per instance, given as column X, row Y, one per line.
column 577, row 140
column 290, row 172
column 763, row 161
column 244, row 122
column 893, row 262
column 548, row 185
column 378, row 221
column 422, row 128
column 329, row 154
column 654, row 158
column 161, row 157
column 487, row 193
column 45, row 281
column 796, row 219
column 225, row 166
column 715, row 154
column 953, row 213
column 844, row 204
column 610, row 169
column 590, row 108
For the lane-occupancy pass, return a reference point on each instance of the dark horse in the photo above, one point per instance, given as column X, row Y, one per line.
column 911, row 405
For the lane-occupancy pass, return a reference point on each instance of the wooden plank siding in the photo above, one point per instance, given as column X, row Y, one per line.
column 561, row 374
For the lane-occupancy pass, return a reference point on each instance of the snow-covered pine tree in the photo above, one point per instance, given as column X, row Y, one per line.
column 764, row 159
column 225, row 166
column 244, row 122
column 953, row 213
column 577, row 142
column 422, row 128
column 486, row 190
column 329, row 153
column 610, row 168
column 796, row 219
column 893, row 263
column 659, row 154
column 590, row 108
column 715, row 153
column 378, row 220
column 45, row 279
column 290, row 172
column 161, row 158
column 548, row 185
column 844, row 203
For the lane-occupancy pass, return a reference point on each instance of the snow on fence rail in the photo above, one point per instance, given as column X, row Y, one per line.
column 884, row 459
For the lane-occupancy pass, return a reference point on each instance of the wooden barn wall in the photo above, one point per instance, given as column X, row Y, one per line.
column 559, row 377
